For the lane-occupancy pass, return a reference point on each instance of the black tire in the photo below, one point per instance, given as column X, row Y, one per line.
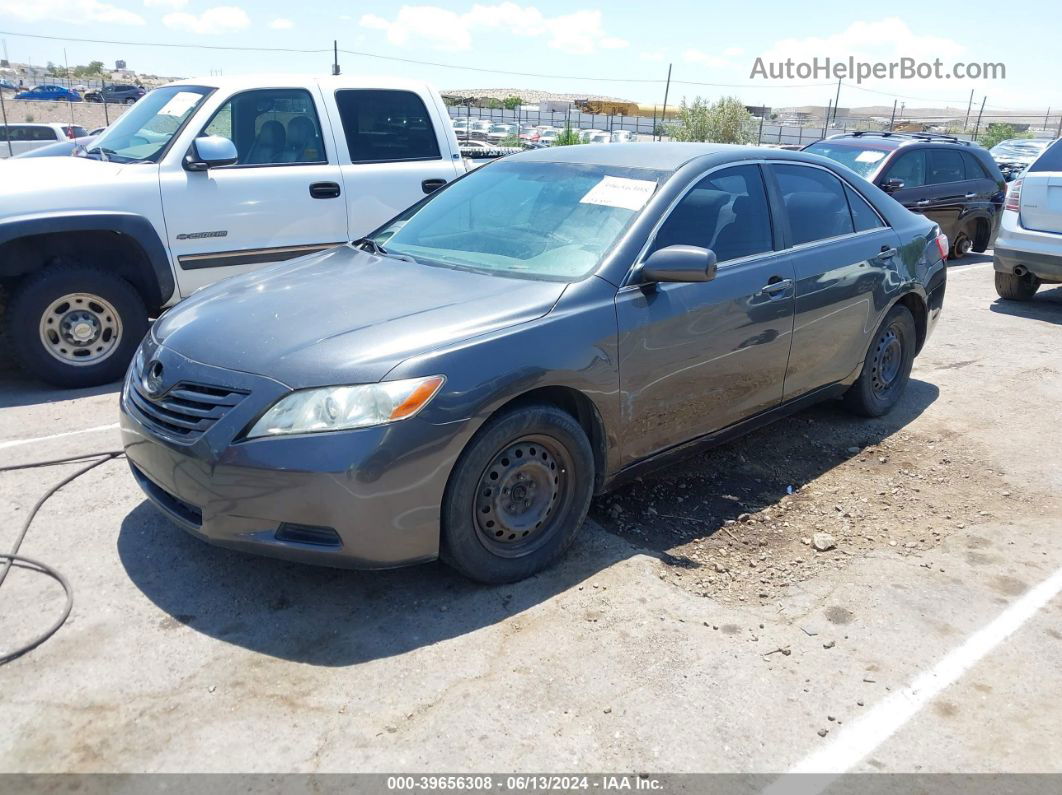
column 529, row 440
column 1016, row 288
column 130, row 101
column 28, row 308
column 887, row 368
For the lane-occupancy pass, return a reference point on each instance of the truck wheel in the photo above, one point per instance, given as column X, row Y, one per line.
column 1016, row 288
column 74, row 325
column 517, row 495
column 887, row 368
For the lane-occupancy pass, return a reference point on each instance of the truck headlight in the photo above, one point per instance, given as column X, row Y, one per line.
column 341, row 408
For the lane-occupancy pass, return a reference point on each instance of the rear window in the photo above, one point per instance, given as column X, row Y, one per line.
column 863, row 160
column 385, row 126
column 1050, row 160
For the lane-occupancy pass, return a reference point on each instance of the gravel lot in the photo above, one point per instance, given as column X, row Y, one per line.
column 827, row 593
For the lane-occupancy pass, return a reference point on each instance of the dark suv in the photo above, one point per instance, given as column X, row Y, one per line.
column 953, row 182
column 116, row 94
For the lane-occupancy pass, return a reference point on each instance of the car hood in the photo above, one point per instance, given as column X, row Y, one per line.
column 57, row 176
column 344, row 316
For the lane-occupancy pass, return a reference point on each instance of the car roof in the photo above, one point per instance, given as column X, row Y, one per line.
column 896, row 140
column 327, row 82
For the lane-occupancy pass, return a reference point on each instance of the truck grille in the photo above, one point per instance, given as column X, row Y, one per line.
column 187, row 410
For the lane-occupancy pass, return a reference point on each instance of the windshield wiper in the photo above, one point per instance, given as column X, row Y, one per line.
column 370, row 245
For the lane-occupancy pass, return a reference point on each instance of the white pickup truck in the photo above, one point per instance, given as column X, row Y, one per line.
column 200, row 180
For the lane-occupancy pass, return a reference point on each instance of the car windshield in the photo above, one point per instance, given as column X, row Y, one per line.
column 1019, row 149
column 534, row 220
column 863, row 160
column 142, row 134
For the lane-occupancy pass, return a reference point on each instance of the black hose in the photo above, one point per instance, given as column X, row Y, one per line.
column 12, row 558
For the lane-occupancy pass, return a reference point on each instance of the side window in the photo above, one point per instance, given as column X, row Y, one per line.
column 815, row 203
column 727, row 211
column 863, row 216
column 910, row 168
column 945, row 165
column 386, row 126
column 273, row 126
column 974, row 169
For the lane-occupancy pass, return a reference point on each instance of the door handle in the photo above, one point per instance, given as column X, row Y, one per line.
column 776, row 288
column 325, row 190
column 432, row 185
column 922, row 203
column 888, row 253
column 970, row 195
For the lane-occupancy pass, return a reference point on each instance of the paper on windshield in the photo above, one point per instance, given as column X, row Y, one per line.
column 627, row 194
column 180, row 103
column 869, row 156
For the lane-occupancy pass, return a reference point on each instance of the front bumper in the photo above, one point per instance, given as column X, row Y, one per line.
column 368, row 498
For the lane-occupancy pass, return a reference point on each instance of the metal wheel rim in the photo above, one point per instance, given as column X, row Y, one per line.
column 887, row 362
column 522, row 495
column 963, row 245
column 80, row 329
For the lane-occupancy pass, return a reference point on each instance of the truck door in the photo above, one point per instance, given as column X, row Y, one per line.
column 390, row 153
column 282, row 199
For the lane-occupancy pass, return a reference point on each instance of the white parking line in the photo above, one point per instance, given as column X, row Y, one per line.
column 19, row 442
column 967, row 268
column 861, row 737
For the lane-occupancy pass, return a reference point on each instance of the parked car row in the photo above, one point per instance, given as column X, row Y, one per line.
column 124, row 94
column 533, row 136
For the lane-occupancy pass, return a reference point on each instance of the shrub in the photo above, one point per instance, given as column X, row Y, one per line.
column 512, row 102
column 723, row 122
column 569, row 137
column 997, row 132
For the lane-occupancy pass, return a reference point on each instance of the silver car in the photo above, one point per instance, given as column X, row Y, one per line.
column 1028, row 250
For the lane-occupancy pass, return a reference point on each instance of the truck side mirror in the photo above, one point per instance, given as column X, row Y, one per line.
column 209, row 152
column 892, row 185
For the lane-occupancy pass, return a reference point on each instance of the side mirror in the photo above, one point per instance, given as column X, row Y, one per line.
column 210, row 151
column 679, row 264
column 892, row 185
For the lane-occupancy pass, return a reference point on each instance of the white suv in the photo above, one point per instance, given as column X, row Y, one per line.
column 15, row 139
column 199, row 180
column 1028, row 249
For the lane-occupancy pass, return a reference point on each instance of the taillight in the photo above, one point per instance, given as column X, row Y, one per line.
column 942, row 245
column 1013, row 196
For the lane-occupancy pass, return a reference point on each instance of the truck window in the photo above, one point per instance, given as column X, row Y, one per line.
column 386, row 126
column 275, row 126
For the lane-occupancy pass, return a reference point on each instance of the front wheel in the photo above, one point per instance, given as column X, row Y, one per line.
column 517, row 495
column 75, row 326
column 887, row 368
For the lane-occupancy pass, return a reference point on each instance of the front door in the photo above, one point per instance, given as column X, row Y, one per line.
column 282, row 199
column 697, row 357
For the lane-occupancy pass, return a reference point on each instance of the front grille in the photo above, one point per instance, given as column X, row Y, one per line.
column 183, row 511
column 187, row 410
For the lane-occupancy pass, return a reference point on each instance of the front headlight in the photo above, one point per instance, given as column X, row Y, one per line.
column 341, row 408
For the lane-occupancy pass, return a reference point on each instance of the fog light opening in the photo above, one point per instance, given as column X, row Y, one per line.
column 308, row 534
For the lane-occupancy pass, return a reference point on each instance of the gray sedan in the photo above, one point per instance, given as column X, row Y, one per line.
column 461, row 382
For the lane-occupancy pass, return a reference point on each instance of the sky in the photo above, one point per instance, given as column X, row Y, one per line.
column 576, row 46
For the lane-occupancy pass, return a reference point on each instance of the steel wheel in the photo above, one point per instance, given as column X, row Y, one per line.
column 963, row 245
column 80, row 329
column 523, row 495
column 887, row 362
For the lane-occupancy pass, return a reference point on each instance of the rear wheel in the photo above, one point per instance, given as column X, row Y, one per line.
column 517, row 496
column 75, row 326
column 1013, row 287
column 887, row 368
column 130, row 101
column 962, row 244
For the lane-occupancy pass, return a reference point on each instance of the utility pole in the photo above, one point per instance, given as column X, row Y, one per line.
column 759, row 135
column 978, row 127
column 825, row 122
column 969, row 107
column 335, row 57
column 663, row 113
column 892, row 119
column 7, row 131
column 1046, row 115
column 836, row 99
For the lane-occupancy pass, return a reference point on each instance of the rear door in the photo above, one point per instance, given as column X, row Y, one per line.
column 1041, row 192
column 282, row 199
column 841, row 251
column 697, row 357
column 390, row 153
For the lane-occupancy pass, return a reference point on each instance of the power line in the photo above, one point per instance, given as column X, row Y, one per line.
column 364, row 54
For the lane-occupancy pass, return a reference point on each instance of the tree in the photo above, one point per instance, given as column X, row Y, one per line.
column 722, row 122
column 512, row 102
column 569, row 137
column 94, row 68
column 997, row 131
